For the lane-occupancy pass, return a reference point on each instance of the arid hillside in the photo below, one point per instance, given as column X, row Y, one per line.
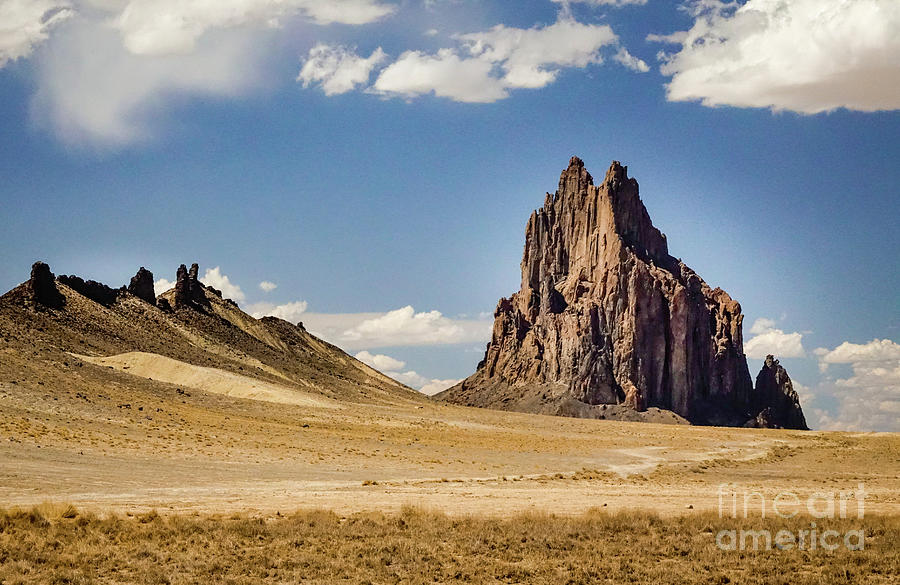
column 197, row 406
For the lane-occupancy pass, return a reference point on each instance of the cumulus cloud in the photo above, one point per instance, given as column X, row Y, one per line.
column 162, row 285
column 808, row 56
column 445, row 74
column 421, row 383
column 24, row 24
column 291, row 312
column 403, row 327
column 877, row 350
column 435, row 386
column 532, row 57
column 267, row 286
column 869, row 399
column 392, row 367
column 488, row 64
column 381, row 362
column 337, row 69
column 769, row 340
column 214, row 278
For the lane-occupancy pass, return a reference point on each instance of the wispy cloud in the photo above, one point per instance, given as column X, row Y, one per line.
column 106, row 77
column 488, row 64
column 338, row 69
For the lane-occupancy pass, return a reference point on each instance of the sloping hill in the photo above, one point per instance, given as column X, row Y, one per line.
column 51, row 333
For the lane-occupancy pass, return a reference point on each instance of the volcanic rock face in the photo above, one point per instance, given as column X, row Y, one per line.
column 42, row 287
column 188, row 290
column 141, row 286
column 775, row 394
column 606, row 316
column 96, row 291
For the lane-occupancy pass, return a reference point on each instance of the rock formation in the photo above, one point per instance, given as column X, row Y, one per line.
column 96, row 291
column 42, row 287
column 605, row 315
column 141, row 286
column 778, row 401
column 188, row 289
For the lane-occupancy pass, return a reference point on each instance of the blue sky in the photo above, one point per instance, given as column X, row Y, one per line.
column 377, row 161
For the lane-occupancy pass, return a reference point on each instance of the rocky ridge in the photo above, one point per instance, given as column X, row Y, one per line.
column 606, row 316
column 48, row 323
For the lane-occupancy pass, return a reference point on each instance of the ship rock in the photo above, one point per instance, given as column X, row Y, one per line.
column 607, row 324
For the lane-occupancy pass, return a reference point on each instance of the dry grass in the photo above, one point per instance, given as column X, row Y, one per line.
column 52, row 545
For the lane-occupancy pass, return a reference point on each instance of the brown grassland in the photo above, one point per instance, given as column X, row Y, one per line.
column 60, row 545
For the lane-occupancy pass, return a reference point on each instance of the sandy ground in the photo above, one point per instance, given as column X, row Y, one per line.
column 192, row 440
column 157, row 367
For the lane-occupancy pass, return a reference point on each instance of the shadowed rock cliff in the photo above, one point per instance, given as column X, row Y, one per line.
column 606, row 316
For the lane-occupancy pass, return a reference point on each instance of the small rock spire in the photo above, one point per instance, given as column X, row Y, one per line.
column 42, row 285
column 188, row 289
column 141, row 286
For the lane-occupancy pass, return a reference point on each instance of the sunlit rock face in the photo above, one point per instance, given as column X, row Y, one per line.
column 605, row 316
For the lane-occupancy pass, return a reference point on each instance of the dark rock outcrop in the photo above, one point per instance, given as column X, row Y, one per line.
column 141, row 286
column 775, row 394
column 189, row 291
column 96, row 291
column 605, row 315
column 42, row 289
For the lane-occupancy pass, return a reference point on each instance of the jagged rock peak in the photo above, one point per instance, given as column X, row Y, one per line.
column 605, row 315
column 188, row 289
column 775, row 395
column 96, row 291
column 141, row 286
column 42, row 287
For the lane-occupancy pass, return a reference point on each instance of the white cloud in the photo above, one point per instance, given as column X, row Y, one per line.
column 488, row 64
column 107, row 77
column 154, row 27
column 410, row 378
column 531, row 57
column 267, row 286
column 405, row 326
column 625, row 58
column 446, row 74
column 808, row 56
column 338, row 69
column 91, row 90
column 392, row 367
column 421, row 383
column 162, row 285
column 869, row 399
column 214, row 278
column 381, row 362
column 24, row 24
column 762, row 325
column 603, row 2
column 769, row 340
column 877, row 350
column 435, row 386
column 291, row 312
